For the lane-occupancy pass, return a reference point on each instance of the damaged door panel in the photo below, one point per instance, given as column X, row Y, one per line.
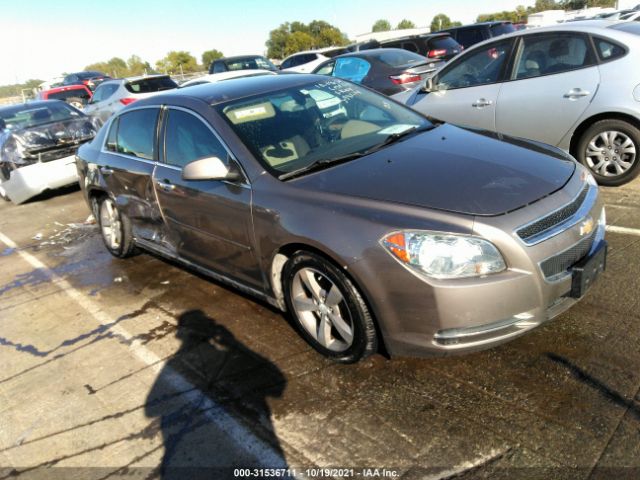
column 130, row 153
column 210, row 220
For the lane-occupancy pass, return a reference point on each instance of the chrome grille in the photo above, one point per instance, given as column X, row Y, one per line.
column 563, row 261
column 553, row 219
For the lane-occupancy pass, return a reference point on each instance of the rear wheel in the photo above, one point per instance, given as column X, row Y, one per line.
column 610, row 149
column 115, row 228
column 328, row 309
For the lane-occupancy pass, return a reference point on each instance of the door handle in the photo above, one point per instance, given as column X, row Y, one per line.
column 106, row 170
column 575, row 93
column 167, row 187
column 481, row 103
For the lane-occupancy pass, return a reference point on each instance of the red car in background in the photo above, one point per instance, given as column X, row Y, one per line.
column 75, row 95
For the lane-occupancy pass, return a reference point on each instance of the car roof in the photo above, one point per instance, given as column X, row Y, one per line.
column 479, row 24
column 214, row 93
column 373, row 52
column 65, row 88
column 237, row 57
column 232, row 74
column 602, row 27
column 425, row 36
column 134, row 79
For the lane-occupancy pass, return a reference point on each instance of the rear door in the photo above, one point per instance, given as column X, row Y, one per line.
column 100, row 105
column 128, row 159
column 554, row 79
column 466, row 90
column 209, row 221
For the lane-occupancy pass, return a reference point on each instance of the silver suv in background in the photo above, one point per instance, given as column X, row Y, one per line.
column 575, row 86
column 113, row 95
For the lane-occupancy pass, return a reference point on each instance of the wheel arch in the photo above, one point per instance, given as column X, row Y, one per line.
column 282, row 256
column 585, row 124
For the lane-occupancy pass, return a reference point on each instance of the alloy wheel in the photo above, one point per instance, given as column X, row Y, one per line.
column 610, row 153
column 110, row 224
column 321, row 309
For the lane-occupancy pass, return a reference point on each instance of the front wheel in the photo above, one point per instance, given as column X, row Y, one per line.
column 610, row 149
column 115, row 228
column 328, row 309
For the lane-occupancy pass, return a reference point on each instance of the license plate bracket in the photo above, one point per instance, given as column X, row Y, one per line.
column 587, row 270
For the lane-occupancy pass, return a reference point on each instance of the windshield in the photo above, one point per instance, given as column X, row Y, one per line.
column 319, row 121
column 26, row 116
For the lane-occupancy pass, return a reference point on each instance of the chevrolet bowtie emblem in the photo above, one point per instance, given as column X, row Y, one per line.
column 586, row 227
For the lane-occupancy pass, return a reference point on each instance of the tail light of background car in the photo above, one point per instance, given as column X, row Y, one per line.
column 405, row 77
column 127, row 101
column 437, row 53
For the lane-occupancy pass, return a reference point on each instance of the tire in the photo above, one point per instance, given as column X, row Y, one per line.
column 309, row 285
column 600, row 150
column 75, row 102
column 115, row 229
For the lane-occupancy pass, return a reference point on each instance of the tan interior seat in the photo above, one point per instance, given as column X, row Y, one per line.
column 353, row 128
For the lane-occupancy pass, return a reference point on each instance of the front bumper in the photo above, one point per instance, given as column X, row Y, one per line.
column 419, row 316
column 31, row 180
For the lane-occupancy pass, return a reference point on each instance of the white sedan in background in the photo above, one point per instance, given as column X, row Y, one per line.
column 218, row 77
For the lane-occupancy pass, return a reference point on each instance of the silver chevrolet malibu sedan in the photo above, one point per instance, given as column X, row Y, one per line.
column 574, row 85
column 364, row 220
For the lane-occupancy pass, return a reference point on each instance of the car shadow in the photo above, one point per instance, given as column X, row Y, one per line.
column 210, row 403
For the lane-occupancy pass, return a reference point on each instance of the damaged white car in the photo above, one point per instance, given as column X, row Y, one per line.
column 38, row 143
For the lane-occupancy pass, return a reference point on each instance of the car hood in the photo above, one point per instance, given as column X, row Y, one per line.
column 453, row 169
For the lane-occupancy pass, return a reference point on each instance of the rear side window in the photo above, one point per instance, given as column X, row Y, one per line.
column 553, row 53
column 103, row 92
column 219, row 67
column 136, row 133
column 326, row 69
column 469, row 36
column 608, row 50
column 149, row 85
column 112, row 138
column 188, row 139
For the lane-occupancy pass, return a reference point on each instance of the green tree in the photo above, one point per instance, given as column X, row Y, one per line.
column 381, row 26
column 137, row 66
column 292, row 37
column 177, row 62
column 116, row 67
column 440, row 22
column 405, row 24
column 209, row 56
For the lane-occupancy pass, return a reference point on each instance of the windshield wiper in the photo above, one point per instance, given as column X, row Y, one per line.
column 320, row 164
column 394, row 137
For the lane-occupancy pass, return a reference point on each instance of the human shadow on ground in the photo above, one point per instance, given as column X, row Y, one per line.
column 222, row 420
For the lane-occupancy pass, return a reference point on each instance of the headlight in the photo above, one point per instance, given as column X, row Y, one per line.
column 441, row 255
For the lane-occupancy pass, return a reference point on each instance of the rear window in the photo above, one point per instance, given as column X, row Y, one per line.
column 148, row 85
column 250, row 63
column 396, row 58
column 78, row 93
column 444, row 43
column 501, row 29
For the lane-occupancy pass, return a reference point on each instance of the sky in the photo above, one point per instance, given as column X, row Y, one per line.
column 43, row 38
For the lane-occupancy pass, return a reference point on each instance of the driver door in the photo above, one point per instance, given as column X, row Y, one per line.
column 466, row 92
column 208, row 222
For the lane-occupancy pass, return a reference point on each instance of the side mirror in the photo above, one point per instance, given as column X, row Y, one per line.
column 429, row 85
column 210, row 168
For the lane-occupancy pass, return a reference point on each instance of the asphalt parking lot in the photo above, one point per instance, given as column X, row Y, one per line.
column 141, row 368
